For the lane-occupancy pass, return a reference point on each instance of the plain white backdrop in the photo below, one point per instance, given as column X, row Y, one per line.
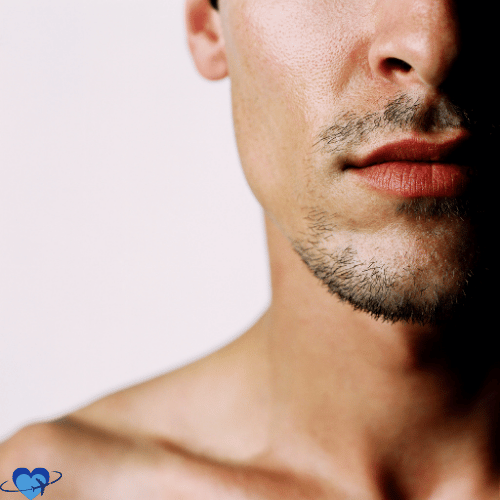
column 130, row 243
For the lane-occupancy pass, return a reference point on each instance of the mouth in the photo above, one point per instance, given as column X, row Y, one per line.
column 414, row 167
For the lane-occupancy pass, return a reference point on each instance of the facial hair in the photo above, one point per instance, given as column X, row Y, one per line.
column 404, row 292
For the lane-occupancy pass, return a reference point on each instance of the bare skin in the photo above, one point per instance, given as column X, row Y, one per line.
column 322, row 398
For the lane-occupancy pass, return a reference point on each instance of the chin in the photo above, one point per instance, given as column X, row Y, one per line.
column 401, row 276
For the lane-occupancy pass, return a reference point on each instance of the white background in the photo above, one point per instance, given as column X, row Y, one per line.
column 130, row 243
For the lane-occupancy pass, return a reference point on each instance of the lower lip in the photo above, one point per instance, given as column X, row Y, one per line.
column 415, row 179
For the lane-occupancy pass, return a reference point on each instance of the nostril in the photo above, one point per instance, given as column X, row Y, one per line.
column 392, row 63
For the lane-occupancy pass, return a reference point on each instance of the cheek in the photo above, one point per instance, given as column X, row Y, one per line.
column 283, row 49
column 299, row 50
column 268, row 111
column 287, row 64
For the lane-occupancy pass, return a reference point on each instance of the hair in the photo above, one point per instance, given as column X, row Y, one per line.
column 214, row 4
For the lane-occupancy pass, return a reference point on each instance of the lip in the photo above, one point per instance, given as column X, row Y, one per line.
column 415, row 168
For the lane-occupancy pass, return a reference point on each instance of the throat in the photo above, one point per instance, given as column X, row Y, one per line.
column 401, row 411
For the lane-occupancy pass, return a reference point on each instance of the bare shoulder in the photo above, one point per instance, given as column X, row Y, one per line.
column 96, row 464
column 93, row 463
column 200, row 432
column 30, row 444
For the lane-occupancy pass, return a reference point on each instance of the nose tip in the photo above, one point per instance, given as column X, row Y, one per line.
column 415, row 42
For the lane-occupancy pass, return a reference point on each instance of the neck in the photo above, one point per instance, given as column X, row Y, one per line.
column 384, row 400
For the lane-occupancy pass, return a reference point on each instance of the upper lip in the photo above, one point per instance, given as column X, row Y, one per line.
column 415, row 150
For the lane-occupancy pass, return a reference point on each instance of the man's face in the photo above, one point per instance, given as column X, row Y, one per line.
column 320, row 85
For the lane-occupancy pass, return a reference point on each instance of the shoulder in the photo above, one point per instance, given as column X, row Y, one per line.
column 95, row 463
column 31, row 447
column 198, row 432
column 28, row 444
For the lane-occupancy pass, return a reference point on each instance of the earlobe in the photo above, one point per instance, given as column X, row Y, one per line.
column 205, row 39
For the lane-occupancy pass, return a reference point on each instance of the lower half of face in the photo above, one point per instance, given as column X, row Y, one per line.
column 415, row 259
column 397, row 258
column 301, row 112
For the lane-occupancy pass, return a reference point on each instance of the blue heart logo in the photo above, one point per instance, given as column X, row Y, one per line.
column 30, row 484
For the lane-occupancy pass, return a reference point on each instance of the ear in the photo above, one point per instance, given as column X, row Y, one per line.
column 205, row 39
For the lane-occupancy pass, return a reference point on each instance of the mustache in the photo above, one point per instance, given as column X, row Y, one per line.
column 404, row 113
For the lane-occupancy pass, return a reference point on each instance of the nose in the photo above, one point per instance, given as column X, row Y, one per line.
column 415, row 42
